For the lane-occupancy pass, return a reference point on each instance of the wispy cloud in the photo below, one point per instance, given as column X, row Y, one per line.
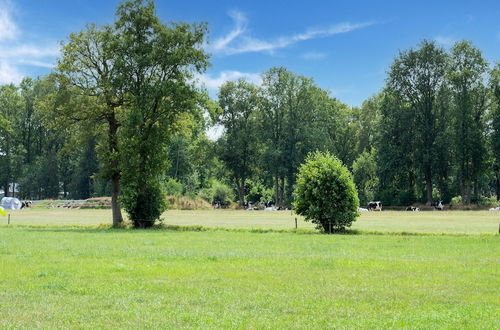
column 8, row 29
column 240, row 22
column 15, row 53
column 213, row 83
column 445, row 41
column 314, row 55
column 238, row 40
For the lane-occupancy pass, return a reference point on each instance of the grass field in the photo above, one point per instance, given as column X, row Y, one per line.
column 453, row 222
column 60, row 277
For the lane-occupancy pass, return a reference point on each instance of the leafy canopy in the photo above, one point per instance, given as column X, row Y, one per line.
column 325, row 193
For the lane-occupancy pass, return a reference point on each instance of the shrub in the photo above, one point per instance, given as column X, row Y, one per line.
column 144, row 206
column 457, row 200
column 217, row 193
column 325, row 193
column 173, row 187
column 222, row 193
column 257, row 192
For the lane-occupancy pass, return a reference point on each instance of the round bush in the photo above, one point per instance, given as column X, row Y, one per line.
column 325, row 193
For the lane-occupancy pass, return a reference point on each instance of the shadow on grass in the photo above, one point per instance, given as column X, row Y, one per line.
column 128, row 228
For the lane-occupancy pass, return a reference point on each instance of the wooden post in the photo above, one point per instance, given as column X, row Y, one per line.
column 8, row 219
column 296, row 223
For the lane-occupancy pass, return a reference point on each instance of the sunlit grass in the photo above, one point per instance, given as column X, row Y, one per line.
column 133, row 279
column 457, row 222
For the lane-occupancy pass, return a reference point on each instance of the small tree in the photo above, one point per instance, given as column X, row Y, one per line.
column 325, row 193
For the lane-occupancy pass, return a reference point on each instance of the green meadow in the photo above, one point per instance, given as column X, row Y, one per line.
column 57, row 271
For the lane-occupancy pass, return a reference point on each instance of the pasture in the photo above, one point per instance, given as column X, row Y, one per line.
column 448, row 222
column 58, row 276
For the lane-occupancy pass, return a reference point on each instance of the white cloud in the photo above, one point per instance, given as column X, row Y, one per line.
column 30, row 51
column 8, row 29
column 445, row 41
column 240, row 26
column 9, row 74
column 314, row 56
column 15, row 52
column 213, row 83
column 238, row 41
column 40, row 64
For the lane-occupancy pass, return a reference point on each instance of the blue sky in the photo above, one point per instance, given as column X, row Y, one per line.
column 345, row 46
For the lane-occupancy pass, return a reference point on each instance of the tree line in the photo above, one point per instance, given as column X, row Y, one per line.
column 121, row 115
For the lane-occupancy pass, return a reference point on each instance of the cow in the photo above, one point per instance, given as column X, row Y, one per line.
column 374, row 206
column 438, row 205
column 412, row 208
column 26, row 204
column 360, row 209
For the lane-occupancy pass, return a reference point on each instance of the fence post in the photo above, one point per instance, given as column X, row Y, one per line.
column 296, row 223
column 8, row 219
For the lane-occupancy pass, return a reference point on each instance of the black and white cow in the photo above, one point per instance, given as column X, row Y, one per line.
column 438, row 205
column 412, row 208
column 26, row 204
column 374, row 206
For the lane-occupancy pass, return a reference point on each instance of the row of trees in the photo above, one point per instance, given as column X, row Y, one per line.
column 432, row 133
column 439, row 126
column 122, row 116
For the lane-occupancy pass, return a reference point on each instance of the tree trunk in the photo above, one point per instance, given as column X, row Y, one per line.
column 115, row 177
column 277, row 189
column 282, row 191
column 498, row 187
column 428, row 185
column 115, row 205
column 241, row 191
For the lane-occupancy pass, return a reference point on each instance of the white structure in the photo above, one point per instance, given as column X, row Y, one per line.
column 10, row 203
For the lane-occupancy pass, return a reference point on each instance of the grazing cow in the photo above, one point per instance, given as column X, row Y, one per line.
column 495, row 208
column 374, row 206
column 438, row 205
column 412, row 208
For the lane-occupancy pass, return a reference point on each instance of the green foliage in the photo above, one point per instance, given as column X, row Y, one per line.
column 258, row 193
column 146, row 205
column 156, row 61
column 465, row 75
column 364, row 170
column 172, row 187
column 416, row 78
column 218, row 192
column 325, row 193
column 457, row 200
column 237, row 147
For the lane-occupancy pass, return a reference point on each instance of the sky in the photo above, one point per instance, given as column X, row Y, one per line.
column 345, row 46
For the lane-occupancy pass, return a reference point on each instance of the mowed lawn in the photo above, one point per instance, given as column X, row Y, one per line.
column 453, row 222
column 64, row 277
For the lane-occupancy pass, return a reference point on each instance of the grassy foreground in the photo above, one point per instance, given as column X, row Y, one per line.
column 132, row 279
column 451, row 222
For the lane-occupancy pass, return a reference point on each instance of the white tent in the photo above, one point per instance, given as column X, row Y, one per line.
column 10, row 203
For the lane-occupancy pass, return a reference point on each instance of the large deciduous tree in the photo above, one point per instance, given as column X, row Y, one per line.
column 286, row 113
column 156, row 64
column 135, row 80
column 417, row 76
column 465, row 75
column 238, row 146
column 495, row 123
column 88, row 64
